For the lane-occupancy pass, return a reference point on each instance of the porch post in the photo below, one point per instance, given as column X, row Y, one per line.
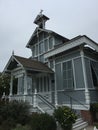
column 18, row 87
column 87, row 96
column 56, row 93
column 11, row 85
column 25, row 84
column 50, row 88
column 35, row 100
column 35, row 93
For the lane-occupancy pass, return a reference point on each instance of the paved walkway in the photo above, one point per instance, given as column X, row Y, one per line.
column 90, row 128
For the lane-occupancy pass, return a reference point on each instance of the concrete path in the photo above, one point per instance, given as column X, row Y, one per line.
column 90, row 128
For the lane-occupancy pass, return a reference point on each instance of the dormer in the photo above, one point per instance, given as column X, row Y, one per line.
column 40, row 20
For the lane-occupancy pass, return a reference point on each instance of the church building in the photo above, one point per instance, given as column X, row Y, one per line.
column 60, row 71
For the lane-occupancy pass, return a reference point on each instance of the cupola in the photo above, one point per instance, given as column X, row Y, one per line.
column 40, row 20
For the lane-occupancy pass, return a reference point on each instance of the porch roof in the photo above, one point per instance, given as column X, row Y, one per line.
column 27, row 63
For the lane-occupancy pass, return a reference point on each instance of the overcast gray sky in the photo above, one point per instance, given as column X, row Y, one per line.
column 67, row 17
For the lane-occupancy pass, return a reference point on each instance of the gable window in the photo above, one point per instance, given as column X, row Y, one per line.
column 41, row 58
column 50, row 43
column 33, row 51
column 46, row 45
column 41, row 48
column 68, row 82
column 94, row 71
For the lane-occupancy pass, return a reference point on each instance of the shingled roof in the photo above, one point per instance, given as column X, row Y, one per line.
column 29, row 64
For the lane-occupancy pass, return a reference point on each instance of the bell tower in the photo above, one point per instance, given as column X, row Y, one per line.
column 40, row 20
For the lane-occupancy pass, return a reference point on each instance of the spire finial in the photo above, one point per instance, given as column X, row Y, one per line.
column 13, row 52
column 41, row 11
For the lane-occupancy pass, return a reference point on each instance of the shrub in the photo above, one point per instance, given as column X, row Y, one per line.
column 20, row 127
column 94, row 107
column 94, row 111
column 7, row 124
column 65, row 116
column 14, row 112
column 42, row 122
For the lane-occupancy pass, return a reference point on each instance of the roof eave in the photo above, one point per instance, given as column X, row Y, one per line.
column 38, row 70
column 81, row 40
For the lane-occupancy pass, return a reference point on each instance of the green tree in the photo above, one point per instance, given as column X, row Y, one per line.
column 65, row 116
column 4, row 84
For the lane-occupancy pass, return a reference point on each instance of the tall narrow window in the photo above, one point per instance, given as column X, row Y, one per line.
column 36, row 49
column 45, row 84
column 37, row 84
column 51, row 64
column 41, row 58
column 68, row 82
column 41, row 48
column 20, row 85
column 46, row 45
column 33, row 51
column 15, row 85
column 94, row 70
column 50, row 43
column 29, row 84
column 41, row 84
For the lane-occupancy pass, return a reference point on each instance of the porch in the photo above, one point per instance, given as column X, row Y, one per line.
column 31, row 81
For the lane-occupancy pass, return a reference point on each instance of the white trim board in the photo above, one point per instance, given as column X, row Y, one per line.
column 83, row 40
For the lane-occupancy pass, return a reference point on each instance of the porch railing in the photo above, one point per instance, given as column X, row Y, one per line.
column 72, row 99
column 46, row 101
column 27, row 98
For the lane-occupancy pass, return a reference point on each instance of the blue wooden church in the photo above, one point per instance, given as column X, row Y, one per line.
column 60, row 71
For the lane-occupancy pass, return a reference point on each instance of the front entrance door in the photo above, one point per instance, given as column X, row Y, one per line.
column 43, row 86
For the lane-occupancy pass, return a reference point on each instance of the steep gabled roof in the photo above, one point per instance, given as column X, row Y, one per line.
column 47, row 31
column 26, row 63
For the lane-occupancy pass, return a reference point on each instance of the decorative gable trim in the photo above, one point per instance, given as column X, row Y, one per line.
column 81, row 40
column 12, row 58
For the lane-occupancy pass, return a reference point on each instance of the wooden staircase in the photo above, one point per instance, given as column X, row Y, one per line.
column 80, row 124
column 44, row 106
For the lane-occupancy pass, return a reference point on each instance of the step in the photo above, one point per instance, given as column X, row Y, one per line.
column 78, row 121
column 80, row 124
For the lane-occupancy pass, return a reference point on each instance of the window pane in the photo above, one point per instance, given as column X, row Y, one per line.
column 41, row 58
column 41, row 36
column 37, row 84
column 44, row 84
column 51, row 64
column 46, row 45
column 50, row 43
column 94, row 70
column 65, row 84
column 36, row 49
column 41, row 86
column 70, row 83
column 48, row 84
column 64, row 65
column 41, row 47
column 67, row 75
column 69, row 65
column 64, row 75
